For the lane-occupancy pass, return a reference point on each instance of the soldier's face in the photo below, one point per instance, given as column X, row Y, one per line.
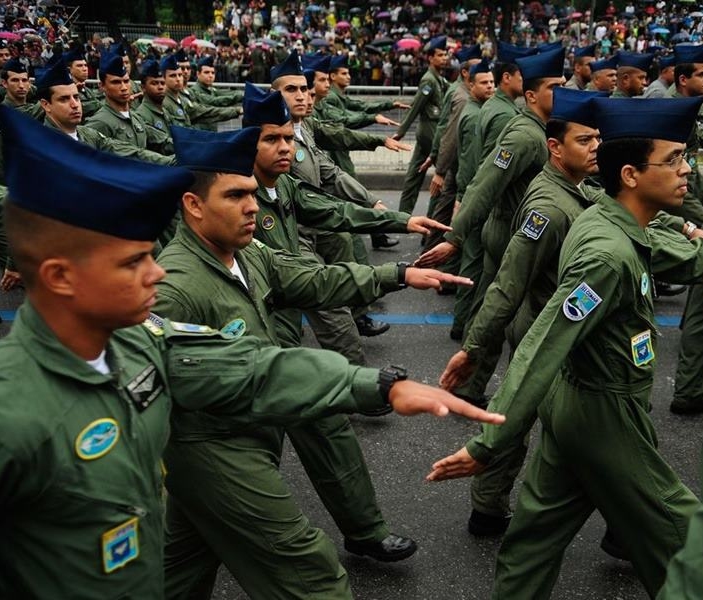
column 322, row 84
column 341, row 78
column 275, row 150
column 4, row 56
column 155, row 88
column 577, row 154
column 693, row 85
column 605, row 80
column 79, row 70
column 660, row 185
column 174, row 80
column 17, row 85
column 226, row 217
column 117, row 89
column 634, row 82
column 483, row 86
column 311, row 102
column 583, row 69
column 294, row 89
column 185, row 70
column 65, row 107
column 513, row 83
column 439, row 59
column 206, row 75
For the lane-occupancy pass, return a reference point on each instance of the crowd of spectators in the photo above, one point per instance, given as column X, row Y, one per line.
column 383, row 41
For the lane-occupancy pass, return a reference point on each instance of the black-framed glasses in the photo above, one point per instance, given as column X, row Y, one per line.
column 675, row 163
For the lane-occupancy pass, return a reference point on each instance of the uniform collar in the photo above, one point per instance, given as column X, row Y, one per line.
column 149, row 103
column 119, row 115
column 205, row 88
column 186, row 236
column 558, row 178
column 617, row 214
column 533, row 116
column 501, row 95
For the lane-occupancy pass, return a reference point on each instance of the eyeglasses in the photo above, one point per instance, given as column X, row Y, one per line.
column 675, row 163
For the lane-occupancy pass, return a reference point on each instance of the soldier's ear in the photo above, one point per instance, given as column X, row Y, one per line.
column 192, row 205
column 628, row 176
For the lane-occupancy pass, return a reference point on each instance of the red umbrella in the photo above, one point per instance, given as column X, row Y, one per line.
column 9, row 35
column 408, row 44
column 343, row 25
column 166, row 42
column 187, row 41
column 576, row 15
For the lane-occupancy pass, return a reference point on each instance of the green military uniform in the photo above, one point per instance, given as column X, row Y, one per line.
column 598, row 330
column 34, row 110
column 573, row 84
column 184, row 112
column 154, row 115
column 91, row 100
column 427, row 105
column 131, row 129
column 80, row 454
column 618, row 93
column 492, row 198
column 445, row 158
column 259, row 505
column 495, row 114
column 211, row 96
column 352, row 113
column 3, row 238
column 97, row 140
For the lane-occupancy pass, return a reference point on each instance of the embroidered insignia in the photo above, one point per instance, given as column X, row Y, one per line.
column 145, row 388
column 159, row 124
column 236, row 328
column 191, row 327
column 179, row 111
column 534, row 225
column 426, row 89
column 258, row 243
column 154, row 324
column 503, row 158
column 268, row 222
column 644, row 284
column 299, row 155
column 120, row 545
column 642, row 349
column 580, row 302
column 97, row 439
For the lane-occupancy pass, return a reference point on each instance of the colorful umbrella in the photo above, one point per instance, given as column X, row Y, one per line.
column 187, row 41
column 203, row 44
column 408, row 44
column 343, row 25
column 165, row 42
column 9, row 35
column 384, row 14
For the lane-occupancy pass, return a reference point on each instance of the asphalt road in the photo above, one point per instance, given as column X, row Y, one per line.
column 450, row 564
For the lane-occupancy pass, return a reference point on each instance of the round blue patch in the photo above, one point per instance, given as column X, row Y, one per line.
column 644, row 284
column 299, row 155
column 268, row 222
column 236, row 327
column 97, row 439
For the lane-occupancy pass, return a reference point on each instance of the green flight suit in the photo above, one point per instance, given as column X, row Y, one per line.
column 212, row 96
column 492, row 198
column 154, row 116
column 586, row 365
column 303, row 562
column 91, row 100
column 33, row 110
column 80, row 451
column 479, row 128
column 426, row 105
column 300, row 203
column 186, row 113
column 131, row 129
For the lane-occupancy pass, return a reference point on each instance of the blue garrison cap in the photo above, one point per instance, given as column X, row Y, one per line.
column 437, row 43
column 653, row 118
column 226, row 152
column 290, row 66
column 546, row 64
column 117, row 48
column 206, row 61
column 605, row 63
column 667, row 61
column 482, row 67
column 585, row 51
column 508, row 53
column 633, row 59
column 15, row 66
column 73, row 55
column 261, row 107
column 575, row 106
column 54, row 74
column 317, row 62
column 548, row 47
column 469, row 52
column 50, row 174
column 340, row 61
column 309, row 77
column 169, row 63
column 181, row 55
column 687, row 53
column 150, row 68
column 111, row 64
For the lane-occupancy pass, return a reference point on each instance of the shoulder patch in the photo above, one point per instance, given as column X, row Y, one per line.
column 236, row 328
column 191, row 328
column 426, row 90
column 503, row 158
column 159, row 124
column 155, row 324
column 268, row 222
column 258, row 243
column 534, row 225
column 582, row 301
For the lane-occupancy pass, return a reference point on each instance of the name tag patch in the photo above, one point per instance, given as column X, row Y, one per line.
column 97, row 439
column 580, row 302
column 642, row 349
column 534, row 225
column 191, row 328
column 120, row 545
column 503, row 158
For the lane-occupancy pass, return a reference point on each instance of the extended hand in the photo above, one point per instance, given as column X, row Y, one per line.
column 424, row 224
column 436, row 184
column 459, row 464
column 412, row 398
column 458, row 370
column 392, row 144
column 425, row 279
column 438, row 255
column 425, row 165
column 10, row 280
column 401, row 105
column 384, row 120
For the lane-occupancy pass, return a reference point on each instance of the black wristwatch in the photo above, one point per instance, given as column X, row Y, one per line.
column 387, row 376
column 402, row 267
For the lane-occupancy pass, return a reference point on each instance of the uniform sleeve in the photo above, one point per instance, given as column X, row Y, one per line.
column 525, row 260
column 129, row 151
column 675, row 259
column 98, row 125
column 441, row 125
column 203, row 114
column 246, row 381
column 466, row 141
column 320, row 210
column 492, row 132
column 367, row 106
column 418, row 104
column 335, row 136
column 542, row 352
column 158, row 141
column 447, row 148
column 212, row 99
column 350, row 119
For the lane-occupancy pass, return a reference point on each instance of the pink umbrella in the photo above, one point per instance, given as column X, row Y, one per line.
column 165, row 42
column 9, row 35
column 576, row 15
column 343, row 25
column 408, row 44
column 187, row 41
